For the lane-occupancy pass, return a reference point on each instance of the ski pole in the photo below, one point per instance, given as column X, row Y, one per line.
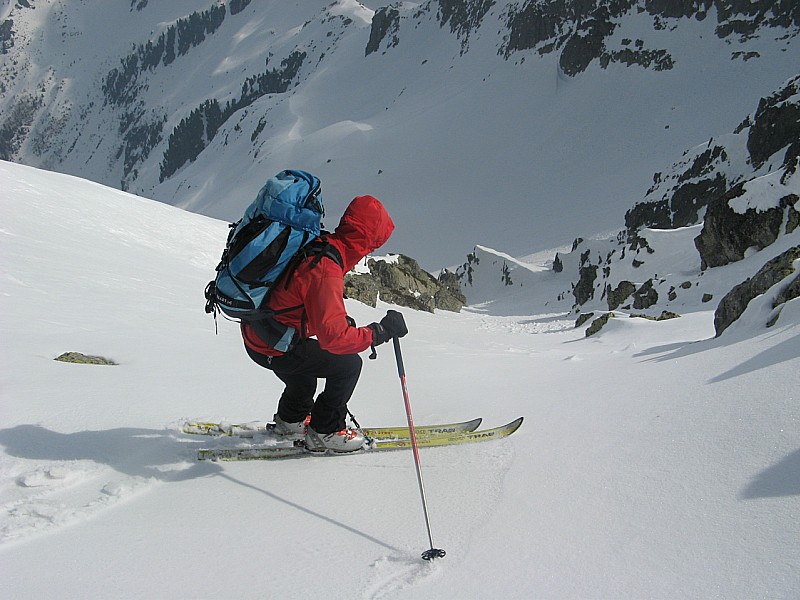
column 431, row 553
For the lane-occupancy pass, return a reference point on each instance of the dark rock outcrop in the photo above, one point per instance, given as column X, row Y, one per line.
column 581, row 31
column 598, row 324
column 683, row 207
column 727, row 234
column 586, row 43
column 385, row 22
column 464, row 17
column 584, row 289
column 735, row 302
column 405, row 283
column 616, row 296
column 776, row 124
column 646, row 296
column 6, row 36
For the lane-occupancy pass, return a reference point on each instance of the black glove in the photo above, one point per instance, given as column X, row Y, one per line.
column 391, row 326
column 350, row 320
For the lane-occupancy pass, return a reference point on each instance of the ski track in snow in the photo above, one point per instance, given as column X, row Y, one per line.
column 547, row 323
column 395, row 573
column 41, row 497
column 477, row 483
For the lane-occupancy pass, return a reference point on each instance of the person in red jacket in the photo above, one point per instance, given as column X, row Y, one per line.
column 329, row 343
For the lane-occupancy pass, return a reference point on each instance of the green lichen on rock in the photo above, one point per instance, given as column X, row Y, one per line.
column 664, row 316
column 84, row 359
column 617, row 296
column 598, row 324
column 405, row 283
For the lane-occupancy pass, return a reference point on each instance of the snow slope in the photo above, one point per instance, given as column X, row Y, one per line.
column 655, row 461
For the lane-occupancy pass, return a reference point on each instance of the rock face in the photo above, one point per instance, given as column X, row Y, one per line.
column 583, row 31
column 738, row 220
column 385, row 23
column 584, row 288
column 722, row 202
column 463, row 16
column 617, row 296
column 709, row 172
column 735, row 302
column 727, row 235
column 405, row 283
column 598, row 324
column 776, row 124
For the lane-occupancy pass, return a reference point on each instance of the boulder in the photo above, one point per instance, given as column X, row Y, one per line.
column 405, row 283
column 84, row 359
column 727, row 235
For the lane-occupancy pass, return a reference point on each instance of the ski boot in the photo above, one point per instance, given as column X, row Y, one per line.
column 293, row 430
column 346, row 440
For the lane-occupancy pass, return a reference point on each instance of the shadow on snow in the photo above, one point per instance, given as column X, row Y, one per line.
column 145, row 453
column 781, row 479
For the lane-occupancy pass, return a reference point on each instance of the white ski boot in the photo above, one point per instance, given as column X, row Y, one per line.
column 346, row 440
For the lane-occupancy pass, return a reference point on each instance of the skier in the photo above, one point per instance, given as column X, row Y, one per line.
column 315, row 292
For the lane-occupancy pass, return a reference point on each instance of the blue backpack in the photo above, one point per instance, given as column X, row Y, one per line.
column 279, row 226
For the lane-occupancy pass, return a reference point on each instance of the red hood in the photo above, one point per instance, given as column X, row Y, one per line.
column 364, row 227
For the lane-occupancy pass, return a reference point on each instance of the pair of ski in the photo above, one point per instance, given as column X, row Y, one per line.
column 381, row 438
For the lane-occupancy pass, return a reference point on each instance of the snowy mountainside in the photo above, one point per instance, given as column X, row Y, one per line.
column 199, row 101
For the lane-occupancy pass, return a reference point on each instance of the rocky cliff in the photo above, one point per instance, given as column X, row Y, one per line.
column 734, row 199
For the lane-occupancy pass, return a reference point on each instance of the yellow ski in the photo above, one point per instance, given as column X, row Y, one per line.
column 254, row 428
column 377, row 445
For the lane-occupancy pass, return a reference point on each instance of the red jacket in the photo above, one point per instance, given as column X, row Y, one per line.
column 364, row 227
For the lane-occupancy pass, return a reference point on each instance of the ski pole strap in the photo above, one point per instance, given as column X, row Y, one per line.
column 357, row 425
column 353, row 419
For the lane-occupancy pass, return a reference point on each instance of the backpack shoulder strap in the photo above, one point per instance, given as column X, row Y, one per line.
column 318, row 249
column 321, row 248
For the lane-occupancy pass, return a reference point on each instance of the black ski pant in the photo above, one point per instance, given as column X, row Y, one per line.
column 299, row 370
